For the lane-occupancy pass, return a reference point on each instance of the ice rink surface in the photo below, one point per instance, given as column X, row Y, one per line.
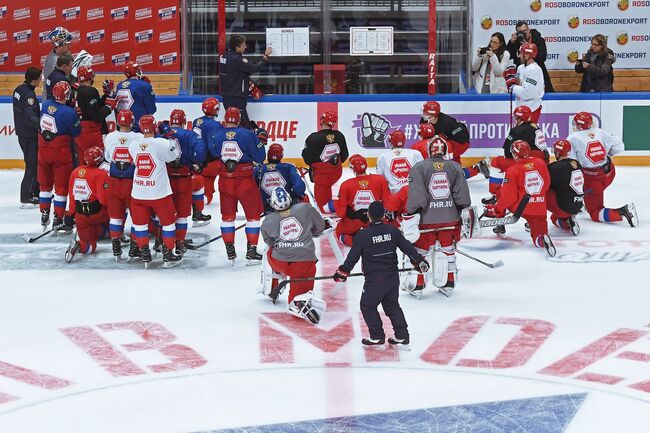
column 539, row 345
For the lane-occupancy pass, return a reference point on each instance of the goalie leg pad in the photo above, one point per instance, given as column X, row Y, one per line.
column 471, row 226
column 410, row 227
column 440, row 267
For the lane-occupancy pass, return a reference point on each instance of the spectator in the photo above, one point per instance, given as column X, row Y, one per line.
column 60, row 73
column 489, row 64
column 525, row 34
column 61, row 39
column 596, row 67
column 234, row 74
column 26, row 120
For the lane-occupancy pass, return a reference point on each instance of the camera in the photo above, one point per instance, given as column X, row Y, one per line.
column 482, row 50
column 521, row 37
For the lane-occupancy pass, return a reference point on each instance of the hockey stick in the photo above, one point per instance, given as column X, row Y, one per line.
column 34, row 239
column 216, row 238
column 510, row 219
column 496, row 264
column 275, row 292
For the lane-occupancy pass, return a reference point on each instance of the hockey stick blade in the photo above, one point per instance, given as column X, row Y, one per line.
column 31, row 240
column 494, row 265
column 216, row 238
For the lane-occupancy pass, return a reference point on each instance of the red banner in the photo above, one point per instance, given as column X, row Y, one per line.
column 112, row 31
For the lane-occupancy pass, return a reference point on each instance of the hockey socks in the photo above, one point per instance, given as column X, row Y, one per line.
column 198, row 199
column 44, row 201
column 252, row 232
column 60, row 202
column 116, row 228
column 169, row 236
column 228, row 231
column 329, row 207
column 606, row 215
column 181, row 228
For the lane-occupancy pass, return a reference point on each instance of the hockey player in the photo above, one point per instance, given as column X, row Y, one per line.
column 395, row 164
column 59, row 125
column 151, row 193
column 193, row 152
column 289, row 233
column 324, row 152
column 527, row 85
column 94, row 111
column 120, row 181
column 355, row 195
column 526, row 130
column 207, row 127
column 528, row 176
column 593, row 148
column 135, row 93
column 238, row 149
column 88, row 186
column 276, row 173
column 565, row 196
column 376, row 246
column 426, row 132
column 438, row 191
column 61, row 40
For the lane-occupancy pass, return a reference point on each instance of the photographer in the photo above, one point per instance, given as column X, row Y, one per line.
column 596, row 67
column 524, row 34
column 489, row 64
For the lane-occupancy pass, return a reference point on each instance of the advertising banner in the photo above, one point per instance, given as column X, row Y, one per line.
column 568, row 26
column 112, row 32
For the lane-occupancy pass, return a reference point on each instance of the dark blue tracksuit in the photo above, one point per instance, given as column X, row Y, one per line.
column 377, row 246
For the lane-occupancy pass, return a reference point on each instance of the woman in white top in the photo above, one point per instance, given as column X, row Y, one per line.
column 488, row 66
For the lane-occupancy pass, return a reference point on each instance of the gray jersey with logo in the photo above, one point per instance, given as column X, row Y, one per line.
column 437, row 191
column 290, row 233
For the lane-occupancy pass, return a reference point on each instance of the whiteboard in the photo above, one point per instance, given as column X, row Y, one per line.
column 377, row 41
column 288, row 41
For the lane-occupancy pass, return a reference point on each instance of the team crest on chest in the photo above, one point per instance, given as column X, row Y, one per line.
column 591, row 135
column 230, row 135
column 82, row 172
column 143, row 146
column 199, row 122
column 330, row 138
column 123, row 140
column 574, row 165
column 126, row 84
column 51, row 109
column 529, row 165
column 363, row 183
column 438, row 166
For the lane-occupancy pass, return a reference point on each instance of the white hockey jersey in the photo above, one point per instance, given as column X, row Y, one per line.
column 530, row 90
column 395, row 165
column 591, row 147
column 116, row 146
column 150, row 180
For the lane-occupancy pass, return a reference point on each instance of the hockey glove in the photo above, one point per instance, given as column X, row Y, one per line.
column 111, row 103
column 511, row 82
column 422, row 266
column 197, row 168
column 491, row 211
column 108, row 86
column 262, row 136
column 373, row 130
column 254, row 91
column 341, row 276
column 166, row 131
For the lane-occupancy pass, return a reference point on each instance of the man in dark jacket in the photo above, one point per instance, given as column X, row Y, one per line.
column 235, row 72
column 60, row 73
column 525, row 34
column 596, row 67
column 27, row 112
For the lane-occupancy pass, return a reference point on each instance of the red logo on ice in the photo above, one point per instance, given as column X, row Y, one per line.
column 596, row 152
column 145, row 165
column 400, row 167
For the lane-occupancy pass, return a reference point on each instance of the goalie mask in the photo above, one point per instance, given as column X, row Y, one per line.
column 280, row 199
column 437, row 146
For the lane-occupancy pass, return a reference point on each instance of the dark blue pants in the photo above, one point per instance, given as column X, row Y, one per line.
column 233, row 101
column 386, row 293
column 29, row 185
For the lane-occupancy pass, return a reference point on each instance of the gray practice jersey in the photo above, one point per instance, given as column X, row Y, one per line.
column 290, row 233
column 437, row 190
column 48, row 67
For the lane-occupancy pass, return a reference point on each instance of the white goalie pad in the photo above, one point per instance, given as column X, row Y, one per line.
column 410, row 227
column 440, row 267
column 267, row 275
column 470, row 225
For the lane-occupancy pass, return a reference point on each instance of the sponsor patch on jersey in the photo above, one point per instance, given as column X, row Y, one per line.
column 80, row 188
column 330, row 138
column 48, row 123
column 533, row 182
column 330, row 150
column 596, row 152
column 362, row 199
column 272, row 180
column 400, row 167
column 121, row 154
column 577, row 182
column 230, row 151
column 531, row 81
column 31, row 101
column 145, row 164
column 290, row 229
column 439, row 186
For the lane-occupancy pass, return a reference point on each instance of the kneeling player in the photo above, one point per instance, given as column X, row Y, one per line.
column 276, row 173
column 289, row 232
column 88, row 185
column 564, row 197
column 437, row 191
column 355, row 195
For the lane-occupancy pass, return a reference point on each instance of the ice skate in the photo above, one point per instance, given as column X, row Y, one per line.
column 629, row 213
column 231, row 253
column 549, row 246
column 573, row 225
column 500, row 231
column 447, row 289
column 400, row 343
column 73, row 248
column 199, row 219
column 253, row 257
column 483, row 167
column 489, row 200
column 145, row 253
column 45, row 219
column 373, row 341
column 134, row 251
column 415, row 291
column 117, row 248
column 170, row 259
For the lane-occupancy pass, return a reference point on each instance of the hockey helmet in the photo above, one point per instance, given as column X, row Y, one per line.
column 582, row 121
column 529, row 49
column 60, row 36
column 523, row 113
column 358, row 163
column 520, row 149
column 147, row 124
column 93, row 156
column 124, row 118
column 397, row 139
column 233, row 115
column 329, row 118
column 177, row 117
column 280, row 199
column 132, row 69
column 561, row 148
column 275, row 153
column 61, row 91
column 437, row 146
column 85, row 73
column 210, row 107
column 431, row 109
column 427, row 130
